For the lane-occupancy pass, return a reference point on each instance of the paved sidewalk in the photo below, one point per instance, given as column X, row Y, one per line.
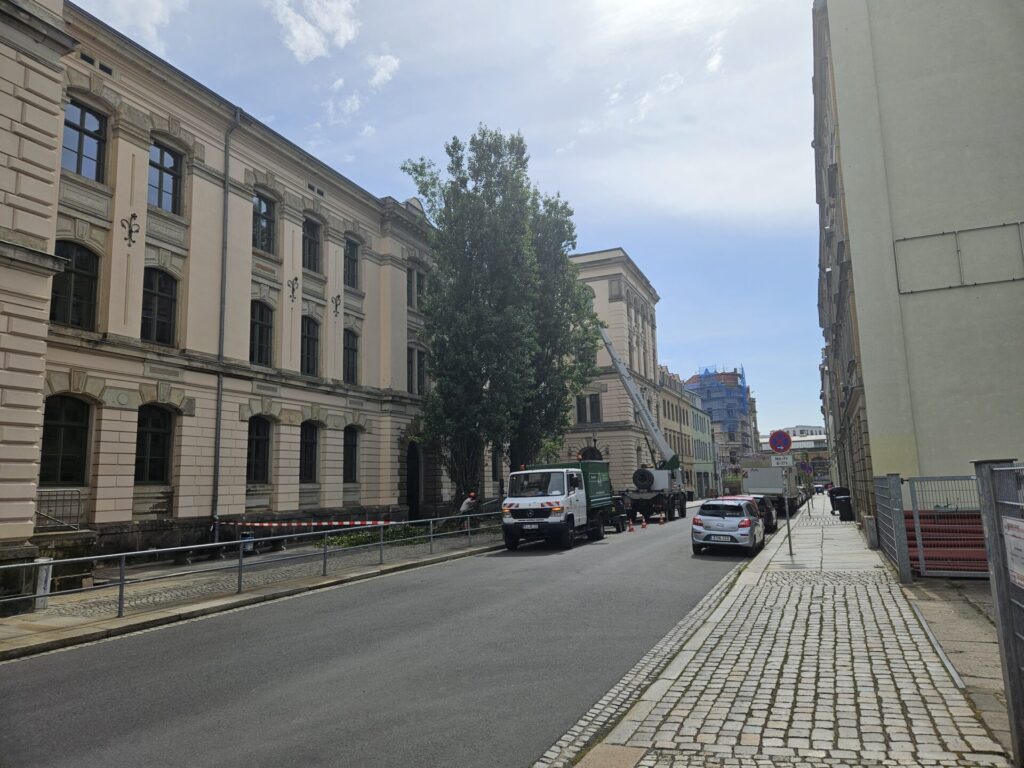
column 815, row 659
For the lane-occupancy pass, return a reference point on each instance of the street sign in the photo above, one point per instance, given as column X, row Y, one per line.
column 782, row 461
column 780, row 441
column 806, row 468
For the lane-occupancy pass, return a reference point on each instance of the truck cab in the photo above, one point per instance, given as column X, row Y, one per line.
column 556, row 502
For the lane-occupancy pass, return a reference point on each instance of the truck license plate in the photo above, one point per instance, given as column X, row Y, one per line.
column 720, row 538
column 530, row 527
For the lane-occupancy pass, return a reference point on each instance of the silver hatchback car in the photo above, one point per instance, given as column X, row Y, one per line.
column 728, row 523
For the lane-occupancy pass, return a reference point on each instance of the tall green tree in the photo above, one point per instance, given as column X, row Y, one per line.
column 511, row 334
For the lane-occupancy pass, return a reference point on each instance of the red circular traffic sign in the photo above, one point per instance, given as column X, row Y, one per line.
column 780, row 441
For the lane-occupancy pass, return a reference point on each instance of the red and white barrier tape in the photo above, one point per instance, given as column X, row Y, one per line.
column 311, row 524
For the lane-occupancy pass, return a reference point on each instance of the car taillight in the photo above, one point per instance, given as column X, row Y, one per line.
column 745, row 523
column 697, row 521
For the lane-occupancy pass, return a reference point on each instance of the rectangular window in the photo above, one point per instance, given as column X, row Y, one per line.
column 351, row 263
column 350, row 358
column 310, row 351
column 159, row 305
column 581, row 410
column 308, row 439
column 421, row 372
column 262, row 223
column 164, row 179
column 84, row 141
column 311, row 246
column 595, row 409
column 421, row 288
column 257, row 464
column 410, row 290
column 261, row 333
column 410, row 370
column 350, row 456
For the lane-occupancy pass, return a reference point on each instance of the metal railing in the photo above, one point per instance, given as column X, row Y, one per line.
column 947, row 538
column 430, row 534
column 58, row 508
column 1001, row 492
column 891, row 524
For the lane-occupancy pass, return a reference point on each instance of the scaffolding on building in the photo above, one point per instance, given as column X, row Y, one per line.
column 725, row 395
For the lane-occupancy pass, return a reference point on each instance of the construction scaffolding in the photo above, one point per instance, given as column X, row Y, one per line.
column 725, row 396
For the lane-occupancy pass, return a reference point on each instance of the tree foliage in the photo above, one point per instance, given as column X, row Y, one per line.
column 510, row 333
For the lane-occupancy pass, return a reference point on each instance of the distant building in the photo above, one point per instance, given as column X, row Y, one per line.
column 920, row 191
column 687, row 427
column 727, row 399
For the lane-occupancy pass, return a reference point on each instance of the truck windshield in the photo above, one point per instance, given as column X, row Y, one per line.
column 537, row 484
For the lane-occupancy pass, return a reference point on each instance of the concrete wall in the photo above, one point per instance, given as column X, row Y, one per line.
column 929, row 140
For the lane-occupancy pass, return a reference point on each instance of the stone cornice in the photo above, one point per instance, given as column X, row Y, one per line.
column 39, row 34
column 25, row 258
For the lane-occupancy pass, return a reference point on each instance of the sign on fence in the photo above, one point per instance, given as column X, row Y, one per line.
column 1013, row 538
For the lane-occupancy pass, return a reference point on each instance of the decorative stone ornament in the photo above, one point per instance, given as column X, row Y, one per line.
column 131, row 228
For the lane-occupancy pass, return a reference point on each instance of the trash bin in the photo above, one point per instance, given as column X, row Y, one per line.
column 689, row 495
column 833, row 492
column 845, row 506
column 246, row 537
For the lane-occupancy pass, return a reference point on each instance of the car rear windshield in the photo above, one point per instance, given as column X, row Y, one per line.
column 722, row 510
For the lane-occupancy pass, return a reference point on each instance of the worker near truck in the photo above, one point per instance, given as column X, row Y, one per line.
column 469, row 505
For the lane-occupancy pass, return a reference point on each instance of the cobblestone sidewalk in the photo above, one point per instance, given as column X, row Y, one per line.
column 811, row 660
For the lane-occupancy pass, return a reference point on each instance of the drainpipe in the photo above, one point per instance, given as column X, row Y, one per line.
column 214, row 511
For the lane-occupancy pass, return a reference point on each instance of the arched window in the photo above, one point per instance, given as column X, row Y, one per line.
column 159, row 305
column 310, row 350
column 350, row 457
column 73, row 296
column 309, row 437
column 153, row 445
column 261, row 333
column 590, row 453
column 65, row 441
column 257, row 459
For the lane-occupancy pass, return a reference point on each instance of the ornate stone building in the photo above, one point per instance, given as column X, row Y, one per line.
column 234, row 329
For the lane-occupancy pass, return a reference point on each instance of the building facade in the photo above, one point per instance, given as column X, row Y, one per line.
column 917, row 137
column 234, row 331
column 687, row 428
column 606, row 426
column 727, row 399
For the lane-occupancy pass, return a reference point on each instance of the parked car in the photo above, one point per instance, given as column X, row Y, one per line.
column 819, row 488
column 765, row 508
column 732, row 523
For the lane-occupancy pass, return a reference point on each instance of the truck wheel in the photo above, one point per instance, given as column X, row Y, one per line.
column 596, row 533
column 568, row 538
column 511, row 541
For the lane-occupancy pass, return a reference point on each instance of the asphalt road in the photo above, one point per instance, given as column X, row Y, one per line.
column 484, row 661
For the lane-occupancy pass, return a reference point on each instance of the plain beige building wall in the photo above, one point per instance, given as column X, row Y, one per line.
column 929, row 96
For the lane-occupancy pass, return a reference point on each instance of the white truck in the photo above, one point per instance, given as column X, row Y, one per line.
column 775, row 482
column 558, row 502
column 657, row 490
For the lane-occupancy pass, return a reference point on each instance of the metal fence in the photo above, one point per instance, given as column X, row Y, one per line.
column 945, row 533
column 59, row 508
column 1001, row 491
column 316, row 552
column 891, row 524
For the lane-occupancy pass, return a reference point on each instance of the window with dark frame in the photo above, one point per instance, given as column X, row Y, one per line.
column 421, row 372
column 350, row 357
column 410, row 290
column 310, row 350
column 84, row 141
column 309, row 435
column 410, row 370
column 311, row 246
column 421, row 288
column 595, row 409
column 262, row 223
column 65, row 441
column 351, row 263
column 73, row 292
column 496, row 463
column 257, row 457
column 159, row 304
column 261, row 333
column 153, row 445
column 350, row 455
column 581, row 410
column 164, row 178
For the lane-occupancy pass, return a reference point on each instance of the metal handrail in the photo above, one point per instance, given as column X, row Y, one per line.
column 464, row 527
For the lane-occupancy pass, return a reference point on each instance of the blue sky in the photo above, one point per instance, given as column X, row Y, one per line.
column 679, row 130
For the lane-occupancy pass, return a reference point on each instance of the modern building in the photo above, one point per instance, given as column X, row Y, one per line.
column 728, row 401
column 606, row 426
column 198, row 319
column 687, row 427
column 920, row 189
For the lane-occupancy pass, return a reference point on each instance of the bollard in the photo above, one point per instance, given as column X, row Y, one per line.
column 43, row 576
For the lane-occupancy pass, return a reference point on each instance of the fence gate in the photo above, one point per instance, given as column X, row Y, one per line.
column 945, row 534
column 1001, row 492
column 889, row 519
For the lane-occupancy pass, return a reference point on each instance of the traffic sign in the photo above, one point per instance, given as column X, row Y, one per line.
column 780, row 441
column 806, row 468
column 782, row 461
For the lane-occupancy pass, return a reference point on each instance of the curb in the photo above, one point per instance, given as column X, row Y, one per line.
column 105, row 629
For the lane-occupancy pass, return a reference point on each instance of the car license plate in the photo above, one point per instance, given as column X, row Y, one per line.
column 530, row 527
column 719, row 538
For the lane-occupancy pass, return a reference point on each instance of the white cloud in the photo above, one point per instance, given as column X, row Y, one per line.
column 368, row 131
column 714, row 62
column 384, row 67
column 352, row 104
column 312, row 27
column 338, row 84
column 140, row 20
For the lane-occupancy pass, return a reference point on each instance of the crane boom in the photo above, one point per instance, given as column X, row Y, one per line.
column 669, row 459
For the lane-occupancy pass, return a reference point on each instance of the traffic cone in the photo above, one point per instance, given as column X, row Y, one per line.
column 644, row 523
column 661, row 520
column 630, row 529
